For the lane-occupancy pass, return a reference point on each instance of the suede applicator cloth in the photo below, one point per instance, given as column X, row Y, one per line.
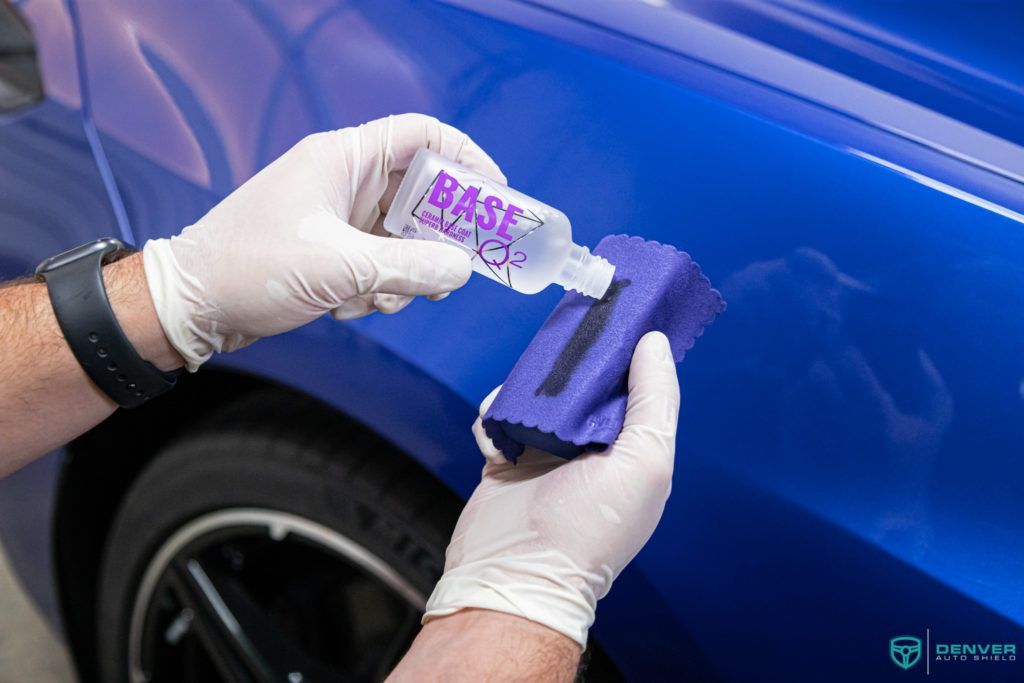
column 567, row 393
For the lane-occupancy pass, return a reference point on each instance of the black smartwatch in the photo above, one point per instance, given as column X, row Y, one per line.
column 74, row 280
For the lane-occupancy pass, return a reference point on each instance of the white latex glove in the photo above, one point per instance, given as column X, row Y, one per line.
column 545, row 538
column 305, row 236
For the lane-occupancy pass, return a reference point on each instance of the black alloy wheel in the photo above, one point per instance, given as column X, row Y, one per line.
column 253, row 594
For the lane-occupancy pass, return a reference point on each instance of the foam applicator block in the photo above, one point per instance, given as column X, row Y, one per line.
column 567, row 393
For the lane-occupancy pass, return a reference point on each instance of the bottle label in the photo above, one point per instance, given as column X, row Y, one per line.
column 480, row 218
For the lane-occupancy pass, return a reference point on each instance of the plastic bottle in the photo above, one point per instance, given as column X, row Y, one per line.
column 513, row 239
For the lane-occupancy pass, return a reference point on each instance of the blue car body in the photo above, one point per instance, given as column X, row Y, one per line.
column 849, row 174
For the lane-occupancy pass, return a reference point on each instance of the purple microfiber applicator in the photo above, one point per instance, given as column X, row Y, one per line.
column 567, row 392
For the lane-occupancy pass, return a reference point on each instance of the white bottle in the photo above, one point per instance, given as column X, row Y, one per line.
column 513, row 239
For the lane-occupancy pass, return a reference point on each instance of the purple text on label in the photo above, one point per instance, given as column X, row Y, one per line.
column 443, row 196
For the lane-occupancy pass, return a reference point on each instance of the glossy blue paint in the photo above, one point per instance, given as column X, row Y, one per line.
column 850, row 175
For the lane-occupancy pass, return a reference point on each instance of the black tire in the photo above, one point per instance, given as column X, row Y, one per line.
column 280, row 454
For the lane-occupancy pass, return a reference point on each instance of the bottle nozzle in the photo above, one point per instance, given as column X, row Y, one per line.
column 587, row 273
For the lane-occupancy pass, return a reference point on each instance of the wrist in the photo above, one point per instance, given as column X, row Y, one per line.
column 544, row 587
column 475, row 644
column 516, row 631
column 130, row 297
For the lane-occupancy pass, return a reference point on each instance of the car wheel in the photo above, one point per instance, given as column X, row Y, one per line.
column 278, row 543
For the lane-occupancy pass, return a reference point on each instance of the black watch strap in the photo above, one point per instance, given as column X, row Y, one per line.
column 79, row 298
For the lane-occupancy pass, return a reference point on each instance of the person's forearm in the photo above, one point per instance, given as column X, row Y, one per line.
column 46, row 399
column 480, row 645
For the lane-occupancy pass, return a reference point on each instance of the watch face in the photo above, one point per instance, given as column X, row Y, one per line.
column 104, row 248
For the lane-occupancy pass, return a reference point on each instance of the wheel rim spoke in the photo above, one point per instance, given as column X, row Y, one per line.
column 230, row 648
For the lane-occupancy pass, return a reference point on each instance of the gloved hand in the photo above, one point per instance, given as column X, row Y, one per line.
column 305, row 236
column 545, row 538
